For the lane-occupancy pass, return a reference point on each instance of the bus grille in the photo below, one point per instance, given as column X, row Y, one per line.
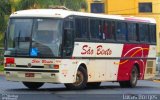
column 25, row 66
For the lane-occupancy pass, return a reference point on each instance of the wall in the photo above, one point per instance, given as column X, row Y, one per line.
column 131, row 8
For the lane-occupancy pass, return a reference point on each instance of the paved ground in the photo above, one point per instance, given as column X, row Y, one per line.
column 145, row 90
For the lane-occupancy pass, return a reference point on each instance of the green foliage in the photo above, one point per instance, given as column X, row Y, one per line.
column 5, row 9
column 3, row 27
column 1, row 68
column 1, row 56
column 2, row 24
column 71, row 4
column 75, row 4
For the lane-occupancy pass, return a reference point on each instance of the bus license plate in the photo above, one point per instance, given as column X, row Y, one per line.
column 29, row 74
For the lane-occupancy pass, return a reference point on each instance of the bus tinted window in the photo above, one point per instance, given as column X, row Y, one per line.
column 108, row 29
column 132, row 36
column 68, row 25
column 121, row 31
column 96, row 29
column 143, row 32
column 153, row 33
column 81, row 27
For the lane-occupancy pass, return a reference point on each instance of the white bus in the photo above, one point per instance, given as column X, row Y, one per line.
column 78, row 49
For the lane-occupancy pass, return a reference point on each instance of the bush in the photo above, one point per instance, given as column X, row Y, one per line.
column 1, row 68
column 1, row 56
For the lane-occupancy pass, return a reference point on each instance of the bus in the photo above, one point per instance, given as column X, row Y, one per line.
column 77, row 49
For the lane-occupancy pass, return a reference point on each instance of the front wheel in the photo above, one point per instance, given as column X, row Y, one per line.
column 133, row 79
column 33, row 85
column 81, row 80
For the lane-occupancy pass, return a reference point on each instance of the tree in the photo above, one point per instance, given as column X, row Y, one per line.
column 75, row 4
column 4, row 9
column 71, row 4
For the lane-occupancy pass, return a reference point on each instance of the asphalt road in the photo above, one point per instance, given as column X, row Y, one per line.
column 145, row 90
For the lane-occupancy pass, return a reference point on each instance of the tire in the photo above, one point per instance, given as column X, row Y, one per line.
column 93, row 85
column 81, row 80
column 33, row 85
column 133, row 79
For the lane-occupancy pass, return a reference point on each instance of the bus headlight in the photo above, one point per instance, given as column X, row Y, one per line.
column 10, row 65
column 56, row 66
column 10, row 62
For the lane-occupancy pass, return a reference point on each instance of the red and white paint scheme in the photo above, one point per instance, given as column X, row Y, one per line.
column 120, row 59
column 101, row 61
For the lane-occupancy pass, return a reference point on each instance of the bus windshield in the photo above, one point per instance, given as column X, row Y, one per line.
column 39, row 37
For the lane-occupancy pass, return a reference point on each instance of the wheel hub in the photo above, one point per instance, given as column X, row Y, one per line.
column 134, row 76
column 79, row 78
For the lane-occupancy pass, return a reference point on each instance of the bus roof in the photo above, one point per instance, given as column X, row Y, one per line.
column 60, row 13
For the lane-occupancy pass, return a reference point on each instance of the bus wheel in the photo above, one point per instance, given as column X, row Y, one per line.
column 33, row 85
column 81, row 80
column 93, row 84
column 133, row 79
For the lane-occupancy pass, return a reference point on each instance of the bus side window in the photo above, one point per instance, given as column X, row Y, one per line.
column 81, row 27
column 143, row 32
column 132, row 36
column 96, row 29
column 93, row 28
column 100, row 32
column 121, row 31
column 105, row 30
column 152, row 31
column 108, row 29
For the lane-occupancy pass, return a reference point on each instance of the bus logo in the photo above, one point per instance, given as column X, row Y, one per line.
column 29, row 65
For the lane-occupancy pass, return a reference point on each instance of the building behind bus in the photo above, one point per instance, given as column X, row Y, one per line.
column 143, row 8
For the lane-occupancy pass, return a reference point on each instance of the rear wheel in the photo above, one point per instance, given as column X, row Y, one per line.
column 33, row 85
column 133, row 79
column 81, row 80
column 93, row 84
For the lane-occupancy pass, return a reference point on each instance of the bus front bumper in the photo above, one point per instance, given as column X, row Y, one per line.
column 32, row 75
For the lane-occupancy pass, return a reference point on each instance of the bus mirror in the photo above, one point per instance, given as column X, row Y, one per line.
column 68, row 38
